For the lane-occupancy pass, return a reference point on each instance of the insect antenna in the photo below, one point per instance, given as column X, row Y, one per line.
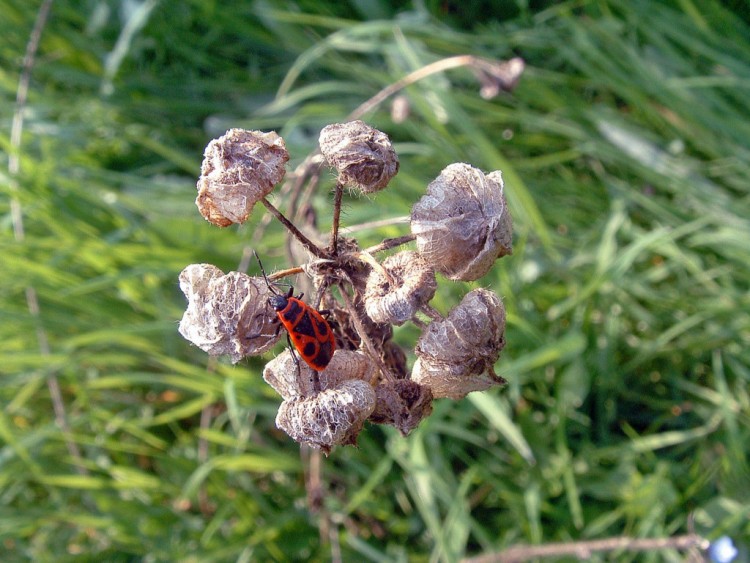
column 271, row 285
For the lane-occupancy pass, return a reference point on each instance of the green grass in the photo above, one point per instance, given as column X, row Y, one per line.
column 626, row 155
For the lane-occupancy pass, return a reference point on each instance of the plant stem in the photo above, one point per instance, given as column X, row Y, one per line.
column 390, row 243
column 336, row 217
column 411, row 78
column 284, row 273
column 584, row 549
column 306, row 242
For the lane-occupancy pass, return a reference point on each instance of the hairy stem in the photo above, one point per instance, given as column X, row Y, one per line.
column 336, row 217
column 304, row 241
column 389, row 243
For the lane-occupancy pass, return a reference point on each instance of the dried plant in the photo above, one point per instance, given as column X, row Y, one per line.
column 461, row 226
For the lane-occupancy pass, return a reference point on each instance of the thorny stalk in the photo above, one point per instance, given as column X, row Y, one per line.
column 14, row 168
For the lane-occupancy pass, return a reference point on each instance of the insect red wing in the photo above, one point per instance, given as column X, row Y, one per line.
column 309, row 332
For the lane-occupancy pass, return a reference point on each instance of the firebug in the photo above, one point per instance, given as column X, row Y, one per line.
column 308, row 331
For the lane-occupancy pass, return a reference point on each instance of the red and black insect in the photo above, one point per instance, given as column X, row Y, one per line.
column 308, row 332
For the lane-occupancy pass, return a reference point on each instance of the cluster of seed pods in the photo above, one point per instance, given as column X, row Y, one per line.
column 460, row 226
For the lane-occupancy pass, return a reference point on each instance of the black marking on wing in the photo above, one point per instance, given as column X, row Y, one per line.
column 322, row 327
column 309, row 350
column 304, row 325
column 293, row 311
column 323, row 357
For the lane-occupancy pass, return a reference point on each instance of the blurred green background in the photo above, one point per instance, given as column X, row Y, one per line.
column 626, row 155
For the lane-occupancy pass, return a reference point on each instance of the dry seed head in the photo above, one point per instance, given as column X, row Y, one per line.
column 456, row 356
column 402, row 403
column 333, row 416
column 350, row 329
column 239, row 169
column 282, row 373
column 411, row 285
column 462, row 225
column 224, row 310
column 499, row 77
column 394, row 359
column 362, row 155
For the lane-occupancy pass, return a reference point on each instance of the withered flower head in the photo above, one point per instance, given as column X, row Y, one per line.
column 462, row 225
column 497, row 77
column 239, row 169
column 402, row 403
column 362, row 155
column 456, row 356
column 332, row 417
column 226, row 314
column 394, row 359
column 409, row 285
column 292, row 382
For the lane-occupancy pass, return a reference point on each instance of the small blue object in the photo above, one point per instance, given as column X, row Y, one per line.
column 722, row 550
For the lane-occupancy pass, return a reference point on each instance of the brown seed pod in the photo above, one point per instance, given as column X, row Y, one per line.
column 456, row 356
column 334, row 416
column 394, row 359
column 224, row 310
column 499, row 77
column 462, row 225
column 282, row 373
column 402, row 403
column 239, row 169
column 362, row 155
column 350, row 330
column 411, row 284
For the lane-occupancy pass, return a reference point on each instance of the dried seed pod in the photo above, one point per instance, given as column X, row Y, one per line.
column 282, row 373
column 333, row 416
column 402, row 403
column 394, row 358
column 411, row 285
column 350, row 329
column 498, row 77
column 239, row 169
column 456, row 356
column 362, row 155
column 224, row 311
column 462, row 225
